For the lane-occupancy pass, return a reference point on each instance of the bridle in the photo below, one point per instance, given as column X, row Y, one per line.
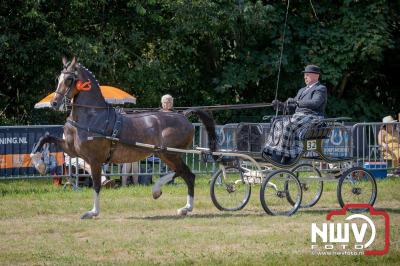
column 69, row 81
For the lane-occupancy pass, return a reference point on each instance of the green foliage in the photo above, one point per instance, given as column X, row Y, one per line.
column 202, row 52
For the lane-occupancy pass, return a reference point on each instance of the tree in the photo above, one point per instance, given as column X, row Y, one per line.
column 202, row 52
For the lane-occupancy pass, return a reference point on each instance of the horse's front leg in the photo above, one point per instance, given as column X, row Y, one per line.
column 96, row 177
column 156, row 190
column 36, row 156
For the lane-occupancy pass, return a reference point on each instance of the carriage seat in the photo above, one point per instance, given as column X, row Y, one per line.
column 318, row 130
column 322, row 128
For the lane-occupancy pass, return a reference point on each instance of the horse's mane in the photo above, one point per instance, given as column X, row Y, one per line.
column 89, row 74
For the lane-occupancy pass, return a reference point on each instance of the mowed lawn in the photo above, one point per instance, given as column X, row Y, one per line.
column 39, row 224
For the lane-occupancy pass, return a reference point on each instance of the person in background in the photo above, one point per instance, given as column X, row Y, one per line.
column 389, row 140
column 167, row 103
column 80, row 164
column 127, row 168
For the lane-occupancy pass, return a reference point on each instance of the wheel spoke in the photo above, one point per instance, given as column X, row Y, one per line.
column 275, row 190
column 311, row 185
column 357, row 185
column 229, row 191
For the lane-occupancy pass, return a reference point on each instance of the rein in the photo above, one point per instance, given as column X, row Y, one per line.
column 89, row 106
column 205, row 107
column 274, row 124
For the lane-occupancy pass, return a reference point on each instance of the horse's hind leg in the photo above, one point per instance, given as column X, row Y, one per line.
column 96, row 177
column 176, row 163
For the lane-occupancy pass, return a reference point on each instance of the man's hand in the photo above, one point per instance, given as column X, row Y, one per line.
column 291, row 101
column 277, row 105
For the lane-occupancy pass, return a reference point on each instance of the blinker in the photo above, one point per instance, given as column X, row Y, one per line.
column 69, row 81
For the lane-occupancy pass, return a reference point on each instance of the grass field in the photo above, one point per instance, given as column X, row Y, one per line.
column 39, row 224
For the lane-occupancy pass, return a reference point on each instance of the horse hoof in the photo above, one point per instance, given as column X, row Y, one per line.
column 88, row 215
column 157, row 194
column 183, row 212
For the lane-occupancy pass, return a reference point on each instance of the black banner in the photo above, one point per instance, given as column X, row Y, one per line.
column 16, row 144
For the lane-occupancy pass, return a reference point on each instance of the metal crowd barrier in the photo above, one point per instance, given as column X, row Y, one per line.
column 16, row 142
column 371, row 144
column 361, row 141
column 143, row 170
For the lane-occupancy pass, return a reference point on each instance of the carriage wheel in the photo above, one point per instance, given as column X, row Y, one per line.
column 275, row 190
column 357, row 185
column 311, row 185
column 229, row 189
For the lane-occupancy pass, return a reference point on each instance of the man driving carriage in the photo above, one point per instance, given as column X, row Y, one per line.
column 284, row 142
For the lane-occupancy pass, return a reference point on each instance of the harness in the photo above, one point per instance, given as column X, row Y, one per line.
column 111, row 130
column 113, row 122
column 116, row 130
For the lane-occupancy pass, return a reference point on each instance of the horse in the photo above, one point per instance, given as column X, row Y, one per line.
column 98, row 133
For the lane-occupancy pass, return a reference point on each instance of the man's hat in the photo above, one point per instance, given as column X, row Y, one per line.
column 312, row 69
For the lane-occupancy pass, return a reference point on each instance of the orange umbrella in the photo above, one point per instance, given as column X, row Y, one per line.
column 111, row 94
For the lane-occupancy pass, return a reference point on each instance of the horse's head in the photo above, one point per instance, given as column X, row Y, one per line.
column 67, row 81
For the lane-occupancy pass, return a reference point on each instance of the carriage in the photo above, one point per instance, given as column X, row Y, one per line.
column 284, row 188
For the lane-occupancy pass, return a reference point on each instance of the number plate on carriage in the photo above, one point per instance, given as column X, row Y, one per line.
column 311, row 145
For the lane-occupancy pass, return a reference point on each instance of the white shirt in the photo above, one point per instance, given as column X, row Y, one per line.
column 310, row 86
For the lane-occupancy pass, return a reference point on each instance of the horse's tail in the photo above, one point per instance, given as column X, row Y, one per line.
column 209, row 123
